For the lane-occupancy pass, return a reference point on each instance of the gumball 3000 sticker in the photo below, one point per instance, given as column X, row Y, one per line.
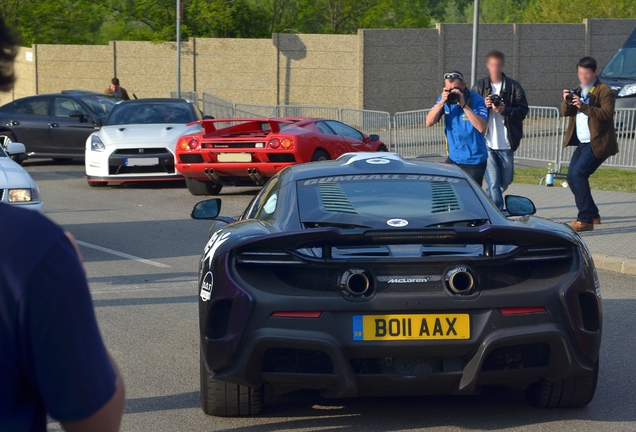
column 210, row 251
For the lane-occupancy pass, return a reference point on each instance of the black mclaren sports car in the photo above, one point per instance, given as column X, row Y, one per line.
column 372, row 275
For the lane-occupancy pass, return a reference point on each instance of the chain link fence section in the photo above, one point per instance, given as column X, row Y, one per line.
column 327, row 112
column 187, row 95
column 625, row 124
column 541, row 135
column 242, row 110
column 369, row 122
column 414, row 139
column 217, row 107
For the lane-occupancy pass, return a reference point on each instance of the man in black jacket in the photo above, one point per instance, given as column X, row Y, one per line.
column 507, row 108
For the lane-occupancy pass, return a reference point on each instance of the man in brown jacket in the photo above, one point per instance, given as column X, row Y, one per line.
column 117, row 91
column 591, row 130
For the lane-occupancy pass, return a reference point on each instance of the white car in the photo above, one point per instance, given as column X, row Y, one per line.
column 138, row 139
column 16, row 185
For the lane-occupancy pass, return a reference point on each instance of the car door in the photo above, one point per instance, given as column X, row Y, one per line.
column 353, row 138
column 69, row 134
column 29, row 122
column 330, row 140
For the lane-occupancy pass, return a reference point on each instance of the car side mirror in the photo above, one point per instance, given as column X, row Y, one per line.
column 519, row 206
column 15, row 148
column 206, row 209
column 374, row 137
column 78, row 115
column 98, row 122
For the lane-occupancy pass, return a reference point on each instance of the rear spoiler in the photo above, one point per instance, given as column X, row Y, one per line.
column 327, row 238
column 209, row 124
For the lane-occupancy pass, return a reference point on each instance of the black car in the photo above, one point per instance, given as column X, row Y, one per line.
column 620, row 74
column 54, row 125
column 372, row 275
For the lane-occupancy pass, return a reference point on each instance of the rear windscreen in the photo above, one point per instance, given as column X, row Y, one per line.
column 397, row 200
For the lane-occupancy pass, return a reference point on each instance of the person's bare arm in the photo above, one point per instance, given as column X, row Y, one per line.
column 108, row 417
column 436, row 112
column 476, row 120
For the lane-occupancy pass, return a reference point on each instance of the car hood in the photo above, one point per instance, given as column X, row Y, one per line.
column 145, row 135
column 13, row 176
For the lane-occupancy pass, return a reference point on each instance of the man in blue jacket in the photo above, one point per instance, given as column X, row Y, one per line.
column 52, row 358
column 466, row 118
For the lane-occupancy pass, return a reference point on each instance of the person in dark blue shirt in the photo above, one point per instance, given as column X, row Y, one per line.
column 52, row 358
column 466, row 120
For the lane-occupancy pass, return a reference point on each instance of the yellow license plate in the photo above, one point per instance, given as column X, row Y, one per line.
column 234, row 157
column 411, row 327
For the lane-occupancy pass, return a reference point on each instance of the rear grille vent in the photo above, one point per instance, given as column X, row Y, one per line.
column 518, row 357
column 334, row 199
column 444, row 198
column 267, row 258
column 541, row 253
column 142, row 151
column 299, row 361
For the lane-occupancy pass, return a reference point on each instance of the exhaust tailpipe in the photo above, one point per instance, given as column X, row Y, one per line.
column 357, row 284
column 256, row 176
column 460, row 280
column 213, row 176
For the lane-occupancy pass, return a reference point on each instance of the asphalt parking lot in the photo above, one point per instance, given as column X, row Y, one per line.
column 141, row 251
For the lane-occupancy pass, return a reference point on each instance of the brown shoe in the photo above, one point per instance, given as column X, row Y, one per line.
column 579, row 226
column 597, row 221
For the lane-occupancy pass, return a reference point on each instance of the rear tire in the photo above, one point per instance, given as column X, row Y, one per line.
column 319, row 155
column 197, row 187
column 223, row 399
column 382, row 149
column 570, row 393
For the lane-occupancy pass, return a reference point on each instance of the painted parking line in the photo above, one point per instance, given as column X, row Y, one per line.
column 123, row 255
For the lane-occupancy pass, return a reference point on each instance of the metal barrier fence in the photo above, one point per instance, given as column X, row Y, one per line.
column 541, row 134
column 217, row 107
column 328, row 112
column 189, row 95
column 253, row 110
column 414, row 139
column 369, row 122
column 625, row 124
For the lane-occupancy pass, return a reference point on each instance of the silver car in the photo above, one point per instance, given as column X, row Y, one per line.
column 16, row 185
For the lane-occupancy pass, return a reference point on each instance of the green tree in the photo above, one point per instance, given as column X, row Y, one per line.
column 454, row 13
column 574, row 11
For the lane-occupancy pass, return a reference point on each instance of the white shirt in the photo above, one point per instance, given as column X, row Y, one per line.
column 582, row 121
column 497, row 135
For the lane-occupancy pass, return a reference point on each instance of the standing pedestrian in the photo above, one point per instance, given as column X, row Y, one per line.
column 591, row 130
column 466, row 117
column 52, row 358
column 116, row 91
column 507, row 108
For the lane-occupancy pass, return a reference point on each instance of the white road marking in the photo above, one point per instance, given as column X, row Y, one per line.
column 123, row 255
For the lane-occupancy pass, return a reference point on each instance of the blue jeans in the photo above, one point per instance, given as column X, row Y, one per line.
column 475, row 171
column 582, row 166
column 499, row 174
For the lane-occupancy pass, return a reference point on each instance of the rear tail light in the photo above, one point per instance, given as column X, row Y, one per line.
column 193, row 144
column 183, row 144
column 286, row 143
column 297, row 314
column 521, row 310
column 274, row 143
column 188, row 144
column 267, row 258
column 544, row 253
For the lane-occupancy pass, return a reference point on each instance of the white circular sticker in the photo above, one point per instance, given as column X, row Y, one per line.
column 397, row 222
column 378, row 161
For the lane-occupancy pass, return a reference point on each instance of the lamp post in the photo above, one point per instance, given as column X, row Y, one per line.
column 179, row 12
column 473, row 67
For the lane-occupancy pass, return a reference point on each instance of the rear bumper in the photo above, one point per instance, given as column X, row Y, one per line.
column 132, row 178
column 228, row 170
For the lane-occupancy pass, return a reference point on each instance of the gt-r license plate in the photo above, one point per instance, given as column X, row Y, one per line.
column 141, row 161
column 234, row 157
column 411, row 327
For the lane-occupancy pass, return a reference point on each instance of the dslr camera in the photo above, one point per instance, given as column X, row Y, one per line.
column 496, row 100
column 453, row 98
column 570, row 96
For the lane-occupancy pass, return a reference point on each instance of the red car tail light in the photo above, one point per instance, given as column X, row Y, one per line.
column 274, row 143
column 193, row 144
column 286, row 143
column 183, row 144
column 521, row 310
column 297, row 314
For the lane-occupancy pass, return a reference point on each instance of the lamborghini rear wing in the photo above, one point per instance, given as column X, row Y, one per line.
column 209, row 125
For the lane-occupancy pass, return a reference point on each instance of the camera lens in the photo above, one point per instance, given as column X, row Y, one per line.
column 453, row 98
column 495, row 100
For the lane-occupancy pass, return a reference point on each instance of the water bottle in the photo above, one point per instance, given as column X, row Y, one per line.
column 549, row 178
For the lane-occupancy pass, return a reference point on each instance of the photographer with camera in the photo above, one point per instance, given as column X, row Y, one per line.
column 465, row 115
column 590, row 107
column 507, row 108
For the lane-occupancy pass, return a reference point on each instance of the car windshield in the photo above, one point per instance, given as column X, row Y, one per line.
column 622, row 66
column 99, row 104
column 152, row 113
column 389, row 200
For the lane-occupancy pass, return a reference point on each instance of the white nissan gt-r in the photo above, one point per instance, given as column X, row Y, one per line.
column 138, row 139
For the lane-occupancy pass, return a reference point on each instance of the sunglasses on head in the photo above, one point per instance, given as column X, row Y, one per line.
column 453, row 76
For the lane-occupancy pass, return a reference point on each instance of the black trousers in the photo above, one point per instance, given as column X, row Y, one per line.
column 475, row 171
